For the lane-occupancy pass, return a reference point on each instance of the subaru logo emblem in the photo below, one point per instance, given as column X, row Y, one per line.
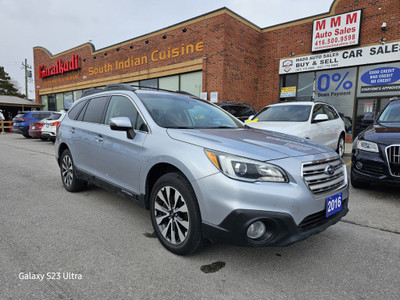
column 329, row 170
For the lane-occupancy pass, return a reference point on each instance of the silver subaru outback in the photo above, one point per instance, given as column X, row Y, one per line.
column 201, row 173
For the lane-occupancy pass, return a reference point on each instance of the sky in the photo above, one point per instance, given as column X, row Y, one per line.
column 59, row 25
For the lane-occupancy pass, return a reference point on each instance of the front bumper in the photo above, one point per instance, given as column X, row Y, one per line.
column 371, row 168
column 281, row 228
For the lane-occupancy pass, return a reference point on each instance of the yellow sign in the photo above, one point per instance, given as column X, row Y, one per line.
column 155, row 56
column 288, row 91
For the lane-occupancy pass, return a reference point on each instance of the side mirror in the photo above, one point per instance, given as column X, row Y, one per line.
column 123, row 124
column 320, row 118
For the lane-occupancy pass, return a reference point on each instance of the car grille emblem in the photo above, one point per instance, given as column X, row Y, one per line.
column 329, row 170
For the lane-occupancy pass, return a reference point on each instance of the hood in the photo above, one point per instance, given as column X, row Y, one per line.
column 248, row 142
column 386, row 134
column 284, row 127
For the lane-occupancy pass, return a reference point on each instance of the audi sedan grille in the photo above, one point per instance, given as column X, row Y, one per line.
column 393, row 157
column 324, row 176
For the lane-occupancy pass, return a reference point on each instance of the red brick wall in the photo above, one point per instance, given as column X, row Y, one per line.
column 281, row 40
column 239, row 60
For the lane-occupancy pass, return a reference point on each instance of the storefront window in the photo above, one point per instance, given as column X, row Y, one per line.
column 60, row 101
column 51, row 102
column 337, row 87
column 191, row 83
column 44, row 101
column 288, row 87
column 67, row 100
column 77, row 94
column 169, row 83
column 149, row 83
column 305, row 88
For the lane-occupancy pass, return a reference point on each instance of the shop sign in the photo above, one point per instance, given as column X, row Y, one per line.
column 379, row 80
column 288, row 91
column 60, row 67
column 381, row 76
column 340, row 59
column 336, row 31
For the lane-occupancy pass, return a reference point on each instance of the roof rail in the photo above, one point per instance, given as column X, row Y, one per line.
column 127, row 87
column 109, row 87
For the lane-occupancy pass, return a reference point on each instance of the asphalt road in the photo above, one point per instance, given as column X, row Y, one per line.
column 95, row 245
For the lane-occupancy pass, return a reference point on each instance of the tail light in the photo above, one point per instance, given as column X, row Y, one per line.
column 55, row 124
column 58, row 126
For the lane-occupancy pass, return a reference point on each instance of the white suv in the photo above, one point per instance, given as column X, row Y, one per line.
column 316, row 121
column 50, row 124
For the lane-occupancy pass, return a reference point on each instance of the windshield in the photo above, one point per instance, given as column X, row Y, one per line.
column 391, row 114
column 181, row 111
column 278, row 113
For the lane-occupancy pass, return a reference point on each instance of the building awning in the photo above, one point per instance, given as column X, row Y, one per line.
column 21, row 103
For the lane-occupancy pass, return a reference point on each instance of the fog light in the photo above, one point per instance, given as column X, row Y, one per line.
column 359, row 165
column 256, row 230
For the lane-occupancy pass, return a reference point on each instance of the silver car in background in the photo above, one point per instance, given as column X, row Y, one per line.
column 201, row 172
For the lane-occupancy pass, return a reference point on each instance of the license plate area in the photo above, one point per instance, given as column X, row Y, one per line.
column 334, row 204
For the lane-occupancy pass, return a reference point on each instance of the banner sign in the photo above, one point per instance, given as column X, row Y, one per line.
column 339, row 59
column 337, row 31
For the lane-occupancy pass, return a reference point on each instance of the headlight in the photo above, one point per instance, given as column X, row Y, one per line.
column 367, row 146
column 246, row 169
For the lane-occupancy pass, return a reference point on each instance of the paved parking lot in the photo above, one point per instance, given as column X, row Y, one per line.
column 95, row 245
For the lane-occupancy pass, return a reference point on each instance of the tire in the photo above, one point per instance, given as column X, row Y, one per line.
column 340, row 146
column 358, row 184
column 175, row 214
column 68, row 175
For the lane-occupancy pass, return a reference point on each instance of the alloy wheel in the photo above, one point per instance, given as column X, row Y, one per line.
column 171, row 215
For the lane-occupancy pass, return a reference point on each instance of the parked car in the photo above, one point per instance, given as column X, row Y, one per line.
column 50, row 125
column 242, row 111
column 376, row 150
column 21, row 120
column 316, row 121
column 202, row 173
column 35, row 129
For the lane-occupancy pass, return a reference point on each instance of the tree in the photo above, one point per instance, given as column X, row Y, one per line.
column 6, row 86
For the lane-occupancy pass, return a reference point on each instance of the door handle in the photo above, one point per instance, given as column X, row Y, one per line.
column 72, row 130
column 99, row 138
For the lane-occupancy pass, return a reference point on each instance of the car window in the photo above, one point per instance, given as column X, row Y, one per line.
column 121, row 106
column 333, row 111
column 391, row 113
column 181, row 111
column 41, row 115
column 54, row 116
column 95, row 109
column 238, row 110
column 284, row 113
column 74, row 111
column 318, row 109
column 329, row 112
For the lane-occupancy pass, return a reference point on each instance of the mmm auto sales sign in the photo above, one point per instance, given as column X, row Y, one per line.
column 336, row 31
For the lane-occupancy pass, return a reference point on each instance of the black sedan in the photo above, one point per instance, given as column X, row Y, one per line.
column 376, row 150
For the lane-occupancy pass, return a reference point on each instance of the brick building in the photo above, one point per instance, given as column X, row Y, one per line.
column 349, row 57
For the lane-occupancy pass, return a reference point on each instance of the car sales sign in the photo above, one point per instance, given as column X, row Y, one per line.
column 336, row 31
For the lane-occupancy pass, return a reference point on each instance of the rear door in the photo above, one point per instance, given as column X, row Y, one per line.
column 86, row 132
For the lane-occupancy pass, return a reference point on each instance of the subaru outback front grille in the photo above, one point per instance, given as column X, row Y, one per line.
column 324, row 176
column 393, row 157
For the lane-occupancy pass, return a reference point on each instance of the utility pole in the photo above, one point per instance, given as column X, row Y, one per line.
column 28, row 73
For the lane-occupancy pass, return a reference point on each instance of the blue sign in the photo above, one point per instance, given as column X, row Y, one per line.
column 381, row 76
